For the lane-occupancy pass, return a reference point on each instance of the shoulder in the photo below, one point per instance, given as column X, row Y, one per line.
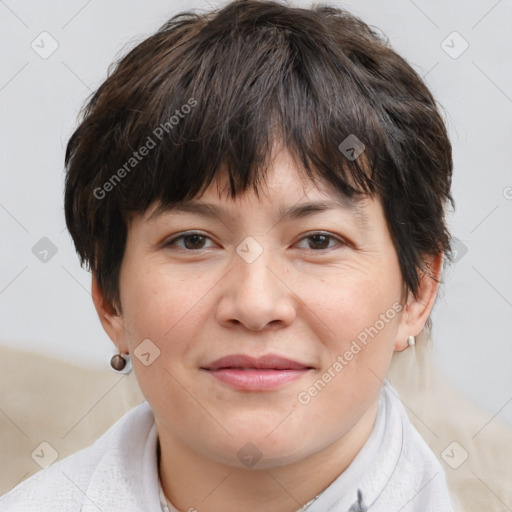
column 418, row 480
column 65, row 485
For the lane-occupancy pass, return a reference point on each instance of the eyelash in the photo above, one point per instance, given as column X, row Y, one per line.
column 310, row 235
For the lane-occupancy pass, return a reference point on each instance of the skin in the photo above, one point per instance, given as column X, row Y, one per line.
column 305, row 299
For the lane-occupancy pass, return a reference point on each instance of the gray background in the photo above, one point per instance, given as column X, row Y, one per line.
column 45, row 302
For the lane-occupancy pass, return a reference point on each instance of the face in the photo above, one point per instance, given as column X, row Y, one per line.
column 266, row 322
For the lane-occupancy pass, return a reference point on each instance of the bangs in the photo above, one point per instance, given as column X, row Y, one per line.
column 223, row 101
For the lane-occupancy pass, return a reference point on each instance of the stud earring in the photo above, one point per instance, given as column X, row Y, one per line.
column 120, row 363
column 411, row 341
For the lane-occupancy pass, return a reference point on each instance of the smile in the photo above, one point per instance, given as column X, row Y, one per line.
column 256, row 374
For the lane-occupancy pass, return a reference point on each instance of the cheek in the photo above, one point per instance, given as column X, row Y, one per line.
column 362, row 318
column 162, row 307
column 160, row 304
column 357, row 316
column 170, row 309
column 351, row 301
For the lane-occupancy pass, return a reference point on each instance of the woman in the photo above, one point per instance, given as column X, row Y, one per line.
column 259, row 193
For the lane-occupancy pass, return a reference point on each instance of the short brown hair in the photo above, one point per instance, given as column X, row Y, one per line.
column 211, row 90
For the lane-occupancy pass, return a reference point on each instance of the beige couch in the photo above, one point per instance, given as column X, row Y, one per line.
column 47, row 400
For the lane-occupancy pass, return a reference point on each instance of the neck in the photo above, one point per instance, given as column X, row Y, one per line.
column 192, row 481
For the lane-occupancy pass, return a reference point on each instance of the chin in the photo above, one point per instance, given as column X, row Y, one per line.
column 256, row 451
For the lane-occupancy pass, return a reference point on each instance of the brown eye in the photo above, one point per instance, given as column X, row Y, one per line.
column 322, row 241
column 193, row 241
column 319, row 242
column 189, row 242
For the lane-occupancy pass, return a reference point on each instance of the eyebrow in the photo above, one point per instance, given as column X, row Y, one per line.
column 296, row 211
column 305, row 209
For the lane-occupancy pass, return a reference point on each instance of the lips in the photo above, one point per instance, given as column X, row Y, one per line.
column 256, row 374
column 266, row 362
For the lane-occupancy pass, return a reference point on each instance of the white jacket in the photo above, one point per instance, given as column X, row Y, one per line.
column 394, row 471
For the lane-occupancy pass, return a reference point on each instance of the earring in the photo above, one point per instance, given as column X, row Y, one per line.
column 120, row 363
column 411, row 341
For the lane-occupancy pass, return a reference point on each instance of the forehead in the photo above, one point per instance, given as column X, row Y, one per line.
column 286, row 193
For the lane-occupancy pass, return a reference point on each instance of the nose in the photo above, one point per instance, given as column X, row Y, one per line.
column 256, row 295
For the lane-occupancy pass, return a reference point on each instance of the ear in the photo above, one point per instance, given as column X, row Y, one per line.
column 417, row 309
column 110, row 319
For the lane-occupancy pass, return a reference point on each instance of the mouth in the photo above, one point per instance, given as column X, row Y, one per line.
column 256, row 374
